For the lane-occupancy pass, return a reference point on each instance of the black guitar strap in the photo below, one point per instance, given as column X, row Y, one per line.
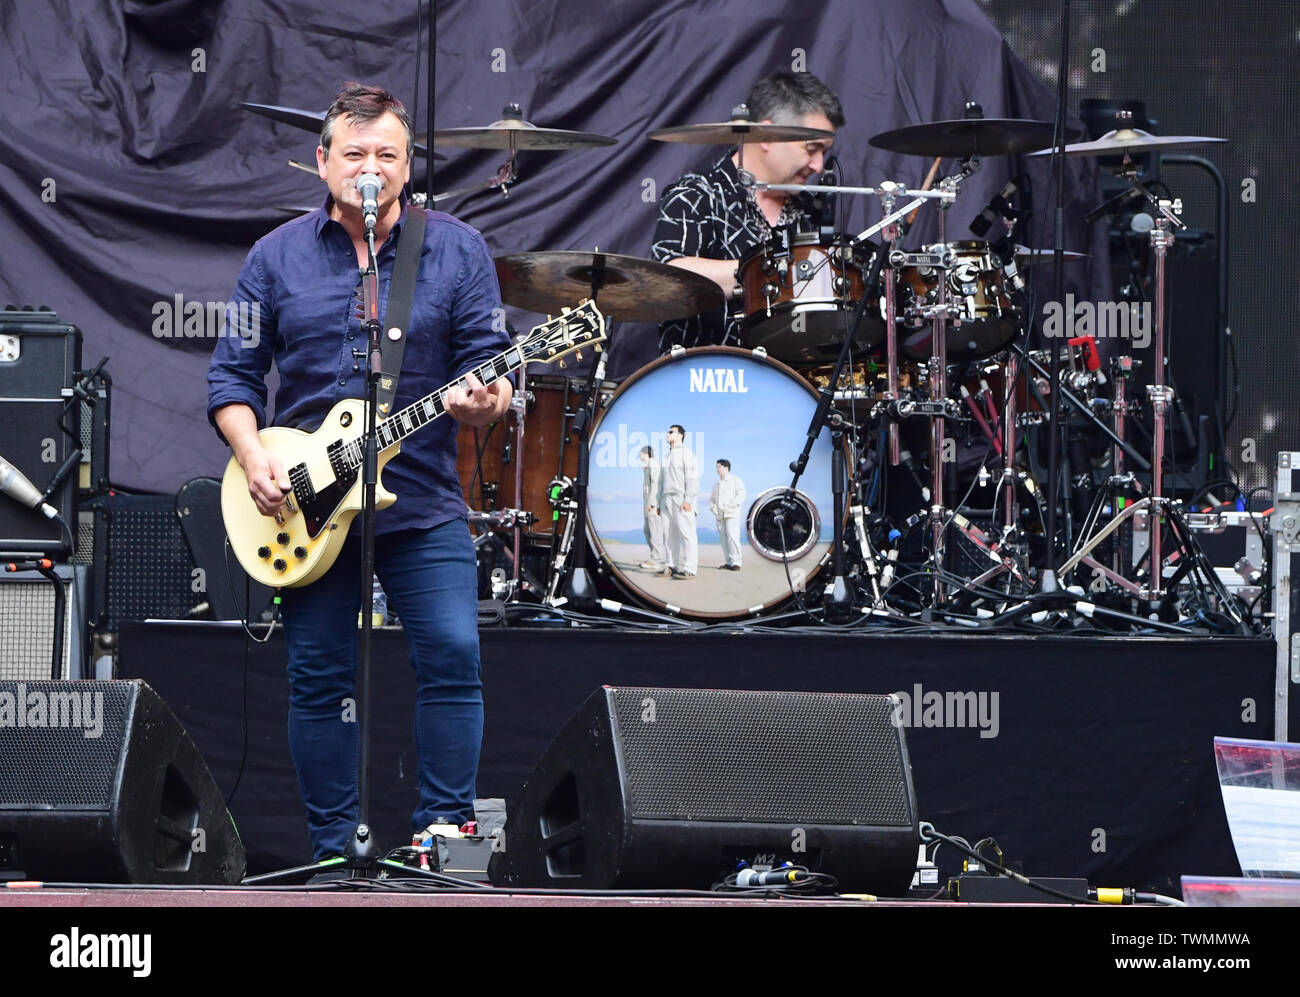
column 397, row 317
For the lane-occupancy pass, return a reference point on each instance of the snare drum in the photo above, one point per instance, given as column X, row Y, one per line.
column 799, row 295
column 987, row 319
column 734, row 406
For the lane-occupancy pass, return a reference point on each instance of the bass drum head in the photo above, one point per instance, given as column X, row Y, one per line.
column 735, row 406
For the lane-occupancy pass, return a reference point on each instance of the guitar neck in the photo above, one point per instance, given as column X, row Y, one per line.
column 419, row 414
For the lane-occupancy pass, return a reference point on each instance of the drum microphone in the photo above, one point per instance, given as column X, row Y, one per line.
column 998, row 208
column 368, row 185
column 15, row 484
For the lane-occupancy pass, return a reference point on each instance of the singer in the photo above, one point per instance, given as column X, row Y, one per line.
column 305, row 278
column 708, row 221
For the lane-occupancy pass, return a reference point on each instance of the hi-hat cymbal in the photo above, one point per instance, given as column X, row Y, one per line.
column 738, row 130
column 513, row 132
column 310, row 121
column 967, row 137
column 626, row 287
column 1133, row 141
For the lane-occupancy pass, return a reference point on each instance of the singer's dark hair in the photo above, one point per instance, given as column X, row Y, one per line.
column 679, row 429
column 725, row 463
column 783, row 97
column 363, row 103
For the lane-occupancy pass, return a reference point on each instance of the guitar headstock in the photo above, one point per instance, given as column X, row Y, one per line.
column 568, row 332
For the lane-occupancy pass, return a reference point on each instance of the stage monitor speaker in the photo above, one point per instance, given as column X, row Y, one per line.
column 100, row 783
column 676, row 788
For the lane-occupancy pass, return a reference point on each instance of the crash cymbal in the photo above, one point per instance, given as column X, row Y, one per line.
column 1027, row 257
column 967, row 137
column 627, row 287
column 310, row 121
column 513, row 132
column 1133, row 141
column 738, row 130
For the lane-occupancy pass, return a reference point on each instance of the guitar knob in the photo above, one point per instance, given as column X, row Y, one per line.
column 300, row 553
column 282, row 539
column 263, row 552
column 278, row 564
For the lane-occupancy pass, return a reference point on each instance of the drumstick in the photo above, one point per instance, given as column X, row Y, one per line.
column 929, row 179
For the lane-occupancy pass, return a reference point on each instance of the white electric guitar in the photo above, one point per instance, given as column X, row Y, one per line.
column 302, row 542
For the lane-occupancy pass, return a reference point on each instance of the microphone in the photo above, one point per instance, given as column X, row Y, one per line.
column 999, row 207
column 15, row 484
column 905, row 459
column 368, row 185
column 1141, row 223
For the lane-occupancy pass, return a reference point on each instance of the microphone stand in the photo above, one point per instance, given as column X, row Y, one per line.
column 361, row 852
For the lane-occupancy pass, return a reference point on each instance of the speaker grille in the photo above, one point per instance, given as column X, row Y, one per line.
column 27, row 628
column 715, row 755
column 69, row 761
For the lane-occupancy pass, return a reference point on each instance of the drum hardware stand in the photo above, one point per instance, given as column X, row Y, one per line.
column 1158, row 506
column 579, row 590
column 840, row 593
column 514, row 520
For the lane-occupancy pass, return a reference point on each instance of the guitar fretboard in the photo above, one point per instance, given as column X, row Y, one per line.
column 419, row 414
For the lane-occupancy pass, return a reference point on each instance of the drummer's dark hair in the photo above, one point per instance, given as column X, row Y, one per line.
column 679, row 429
column 791, row 95
column 725, row 463
column 363, row 103
column 648, row 449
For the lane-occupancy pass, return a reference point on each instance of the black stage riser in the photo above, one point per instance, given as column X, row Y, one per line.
column 1100, row 764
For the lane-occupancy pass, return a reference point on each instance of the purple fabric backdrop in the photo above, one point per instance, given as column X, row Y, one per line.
column 128, row 175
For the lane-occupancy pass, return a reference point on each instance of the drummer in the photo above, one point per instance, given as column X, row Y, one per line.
column 708, row 221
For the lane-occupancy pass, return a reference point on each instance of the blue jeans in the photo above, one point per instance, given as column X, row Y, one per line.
column 430, row 579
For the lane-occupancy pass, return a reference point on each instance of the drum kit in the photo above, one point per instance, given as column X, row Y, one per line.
column 855, row 350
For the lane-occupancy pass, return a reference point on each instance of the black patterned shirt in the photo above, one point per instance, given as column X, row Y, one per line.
column 713, row 216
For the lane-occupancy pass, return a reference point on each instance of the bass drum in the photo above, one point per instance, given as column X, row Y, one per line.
column 735, row 406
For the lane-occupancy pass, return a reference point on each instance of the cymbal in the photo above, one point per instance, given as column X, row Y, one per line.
column 630, row 288
column 967, row 137
column 513, row 132
column 310, row 121
column 1128, row 141
column 738, row 130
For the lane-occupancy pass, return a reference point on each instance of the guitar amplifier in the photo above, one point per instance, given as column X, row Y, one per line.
column 27, row 613
column 39, row 356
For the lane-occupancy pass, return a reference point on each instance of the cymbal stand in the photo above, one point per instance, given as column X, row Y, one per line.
column 1155, row 503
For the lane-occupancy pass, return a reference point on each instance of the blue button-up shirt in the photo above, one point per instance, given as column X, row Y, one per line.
column 304, row 279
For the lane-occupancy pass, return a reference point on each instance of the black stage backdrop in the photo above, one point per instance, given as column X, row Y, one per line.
column 128, row 174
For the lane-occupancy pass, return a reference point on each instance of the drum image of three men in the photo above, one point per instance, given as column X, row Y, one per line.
column 708, row 435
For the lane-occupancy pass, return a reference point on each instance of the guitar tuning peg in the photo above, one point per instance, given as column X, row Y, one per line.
column 578, row 355
column 561, row 364
column 595, row 347
column 564, row 310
